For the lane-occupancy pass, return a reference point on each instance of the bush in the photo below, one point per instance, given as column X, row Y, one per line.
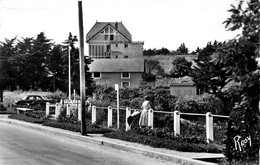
column 133, row 97
column 57, row 96
column 199, row 104
column 27, row 118
column 90, row 128
column 63, row 118
column 36, row 114
column 151, row 140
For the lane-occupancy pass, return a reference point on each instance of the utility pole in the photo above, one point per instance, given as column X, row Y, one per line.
column 82, row 71
column 69, row 73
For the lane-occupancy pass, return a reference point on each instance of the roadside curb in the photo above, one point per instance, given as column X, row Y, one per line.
column 106, row 142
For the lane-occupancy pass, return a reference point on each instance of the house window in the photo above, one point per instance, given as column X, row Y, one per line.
column 116, row 45
column 126, row 45
column 96, row 75
column 126, row 56
column 125, row 84
column 111, row 37
column 106, row 37
column 125, row 75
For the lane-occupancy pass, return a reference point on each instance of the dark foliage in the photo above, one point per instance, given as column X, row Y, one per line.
column 28, row 118
column 33, row 64
column 77, row 127
column 181, row 67
column 238, row 57
column 2, row 107
column 160, row 139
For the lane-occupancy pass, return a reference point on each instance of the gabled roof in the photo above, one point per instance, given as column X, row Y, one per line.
column 99, row 26
column 117, row 65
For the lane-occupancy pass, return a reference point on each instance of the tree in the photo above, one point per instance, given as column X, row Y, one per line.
column 57, row 68
column 22, row 64
column 181, row 67
column 38, row 68
column 75, row 74
column 182, row 50
column 162, row 51
column 208, row 77
column 7, row 51
column 196, row 51
column 152, row 70
column 149, row 52
column 238, row 57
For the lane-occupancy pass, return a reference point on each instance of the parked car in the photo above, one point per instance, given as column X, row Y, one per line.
column 33, row 101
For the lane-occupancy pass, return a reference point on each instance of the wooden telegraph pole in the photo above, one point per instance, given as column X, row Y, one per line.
column 82, row 71
column 69, row 72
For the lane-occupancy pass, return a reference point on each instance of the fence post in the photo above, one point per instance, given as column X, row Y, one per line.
column 109, row 117
column 209, row 127
column 47, row 109
column 94, row 114
column 79, row 112
column 57, row 110
column 127, row 114
column 176, row 123
column 68, row 110
column 150, row 118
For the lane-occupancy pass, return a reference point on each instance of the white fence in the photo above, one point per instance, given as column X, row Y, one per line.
column 176, row 116
column 69, row 104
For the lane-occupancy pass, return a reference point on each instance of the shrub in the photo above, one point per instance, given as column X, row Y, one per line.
column 136, row 103
column 162, row 100
column 90, row 128
column 27, row 118
column 36, row 114
column 148, row 137
column 133, row 97
column 63, row 118
column 57, row 96
column 199, row 104
column 62, row 125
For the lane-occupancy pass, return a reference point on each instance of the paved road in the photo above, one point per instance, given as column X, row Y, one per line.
column 22, row 146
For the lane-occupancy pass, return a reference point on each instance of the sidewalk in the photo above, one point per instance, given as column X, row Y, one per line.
column 189, row 158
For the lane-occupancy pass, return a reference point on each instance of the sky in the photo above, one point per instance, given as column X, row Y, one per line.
column 159, row 23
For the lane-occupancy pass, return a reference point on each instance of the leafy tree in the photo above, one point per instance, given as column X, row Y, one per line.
column 208, row 77
column 149, row 52
column 57, row 67
column 238, row 57
column 75, row 74
column 196, row 51
column 152, row 70
column 38, row 68
column 22, row 63
column 181, row 67
column 7, row 51
column 162, row 51
column 182, row 50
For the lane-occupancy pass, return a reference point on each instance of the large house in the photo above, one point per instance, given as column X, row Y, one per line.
column 117, row 59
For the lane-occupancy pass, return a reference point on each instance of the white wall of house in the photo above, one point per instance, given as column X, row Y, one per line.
column 110, row 79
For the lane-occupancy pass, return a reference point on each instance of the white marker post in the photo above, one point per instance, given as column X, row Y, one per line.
column 117, row 94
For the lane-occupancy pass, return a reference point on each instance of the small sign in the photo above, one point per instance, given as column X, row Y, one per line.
column 116, row 87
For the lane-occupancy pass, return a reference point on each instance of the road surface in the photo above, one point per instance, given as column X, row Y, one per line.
column 23, row 146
